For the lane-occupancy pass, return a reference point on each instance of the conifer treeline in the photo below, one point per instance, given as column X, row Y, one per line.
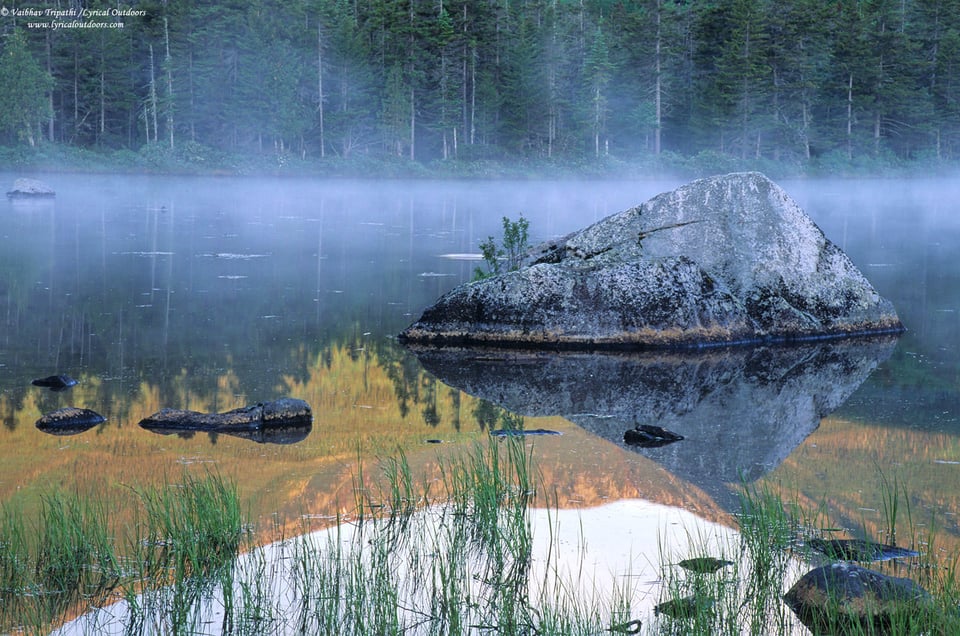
column 432, row 79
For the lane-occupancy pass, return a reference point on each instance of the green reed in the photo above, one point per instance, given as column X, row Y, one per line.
column 457, row 559
column 194, row 527
column 65, row 557
column 15, row 558
column 461, row 564
column 75, row 545
column 68, row 556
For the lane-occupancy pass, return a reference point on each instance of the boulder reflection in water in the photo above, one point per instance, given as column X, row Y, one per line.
column 740, row 410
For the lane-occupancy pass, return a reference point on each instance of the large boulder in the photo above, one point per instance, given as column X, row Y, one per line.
column 842, row 598
column 727, row 259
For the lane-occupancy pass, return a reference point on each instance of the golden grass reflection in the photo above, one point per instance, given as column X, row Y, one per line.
column 369, row 403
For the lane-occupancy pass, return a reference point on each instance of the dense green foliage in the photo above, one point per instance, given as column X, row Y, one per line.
column 847, row 82
column 22, row 87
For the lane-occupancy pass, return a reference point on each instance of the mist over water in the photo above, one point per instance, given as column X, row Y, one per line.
column 131, row 277
column 126, row 277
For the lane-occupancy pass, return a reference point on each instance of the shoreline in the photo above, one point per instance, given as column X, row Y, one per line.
column 59, row 159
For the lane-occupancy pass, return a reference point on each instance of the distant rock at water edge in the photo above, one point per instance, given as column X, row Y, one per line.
column 30, row 189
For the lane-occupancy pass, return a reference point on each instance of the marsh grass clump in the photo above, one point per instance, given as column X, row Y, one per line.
column 194, row 527
column 75, row 548
column 69, row 556
column 15, row 559
column 187, row 549
column 451, row 566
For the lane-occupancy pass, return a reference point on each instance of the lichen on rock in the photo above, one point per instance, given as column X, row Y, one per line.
column 723, row 260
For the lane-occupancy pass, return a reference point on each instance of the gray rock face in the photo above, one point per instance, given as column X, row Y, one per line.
column 722, row 260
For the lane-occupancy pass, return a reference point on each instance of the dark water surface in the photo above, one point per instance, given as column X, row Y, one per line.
column 212, row 293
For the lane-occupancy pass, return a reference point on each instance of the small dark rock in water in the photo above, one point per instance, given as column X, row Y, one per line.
column 29, row 189
column 649, row 436
column 519, row 432
column 283, row 421
column 859, row 550
column 285, row 411
column 69, row 421
column 704, row 565
column 844, row 598
column 55, row 382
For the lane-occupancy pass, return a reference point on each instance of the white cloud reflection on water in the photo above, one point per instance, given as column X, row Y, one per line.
column 590, row 559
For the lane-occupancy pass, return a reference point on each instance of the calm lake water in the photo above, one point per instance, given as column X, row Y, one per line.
column 214, row 293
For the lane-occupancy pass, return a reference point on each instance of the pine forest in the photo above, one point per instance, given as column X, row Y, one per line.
column 580, row 81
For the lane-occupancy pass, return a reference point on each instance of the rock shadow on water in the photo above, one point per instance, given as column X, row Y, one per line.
column 740, row 411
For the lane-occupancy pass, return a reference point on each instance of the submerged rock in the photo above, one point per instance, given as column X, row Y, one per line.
column 649, row 436
column 859, row 550
column 846, row 598
column 30, row 188
column 69, row 421
column 685, row 608
column 704, row 565
column 522, row 432
column 735, row 260
column 283, row 421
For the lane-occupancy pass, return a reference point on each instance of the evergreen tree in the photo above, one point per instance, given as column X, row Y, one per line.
column 896, row 101
column 598, row 70
column 937, row 31
column 743, row 81
column 799, row 61
column 349, row 92
column 396, row 115
column 24, row 84
column 444, row 81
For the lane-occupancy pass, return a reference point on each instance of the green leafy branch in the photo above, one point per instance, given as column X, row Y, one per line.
column 507, row 256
